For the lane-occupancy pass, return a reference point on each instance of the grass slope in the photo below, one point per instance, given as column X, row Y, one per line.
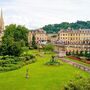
column 41, row 77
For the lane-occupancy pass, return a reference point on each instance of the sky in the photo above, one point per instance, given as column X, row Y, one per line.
column 37, row 13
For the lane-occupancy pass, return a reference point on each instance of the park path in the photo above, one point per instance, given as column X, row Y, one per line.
column 80, row 66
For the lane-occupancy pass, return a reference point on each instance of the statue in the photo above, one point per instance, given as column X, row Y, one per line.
column 27, row 75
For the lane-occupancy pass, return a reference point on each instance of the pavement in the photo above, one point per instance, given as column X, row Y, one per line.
column 77, row 65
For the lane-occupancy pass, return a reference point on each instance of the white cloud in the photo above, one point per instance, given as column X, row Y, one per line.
column 37, row 13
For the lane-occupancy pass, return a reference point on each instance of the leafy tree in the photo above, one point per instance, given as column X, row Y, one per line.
column 73, row 52
column 86, row 53
column 34, row 42
column 54, row 28
column 15, row 37
column 77, row 53
column 10, row 47
column 68, row 53
column 48, row 47
column 18, row 32
column 14, row 49
column 81, row 53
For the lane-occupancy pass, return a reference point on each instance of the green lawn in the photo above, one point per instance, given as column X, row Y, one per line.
column 41, row 77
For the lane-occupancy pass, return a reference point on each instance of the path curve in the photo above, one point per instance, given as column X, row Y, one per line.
column 80, row 66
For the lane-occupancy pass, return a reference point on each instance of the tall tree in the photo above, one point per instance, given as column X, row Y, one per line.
column 15, row 37
column 18, row 32
column 34, row 42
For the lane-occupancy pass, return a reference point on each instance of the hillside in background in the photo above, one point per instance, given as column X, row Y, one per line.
column 54, row 28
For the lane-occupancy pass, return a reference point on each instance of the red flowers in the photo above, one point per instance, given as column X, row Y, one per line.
column 79, row 59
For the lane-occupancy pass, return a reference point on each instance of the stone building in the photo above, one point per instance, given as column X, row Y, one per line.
column 41, row 36
column 1, row 26
column 53, row 38
column 77, row 37
column 73, row 40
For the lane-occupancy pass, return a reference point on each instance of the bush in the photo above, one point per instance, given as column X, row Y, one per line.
column 53, row 61
column 8, row 63
column 68, row 53
column 79, row 84
column 48, row 47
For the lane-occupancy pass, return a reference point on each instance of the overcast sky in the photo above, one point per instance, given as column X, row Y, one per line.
column 37, row 13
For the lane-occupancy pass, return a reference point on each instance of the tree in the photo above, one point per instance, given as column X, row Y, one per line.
column 54, row 28
column 77, row 53
column 34, row 42
column 73, row 52
column 15, row 37
column 10, row 47
column 86, row 53
column 68, row 53
column 81, row 53
column 14, row 49
column 17, row 32
column 48, row 47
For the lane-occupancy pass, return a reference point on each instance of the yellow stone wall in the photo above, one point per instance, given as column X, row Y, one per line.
column 74, row 36
column 39, row 35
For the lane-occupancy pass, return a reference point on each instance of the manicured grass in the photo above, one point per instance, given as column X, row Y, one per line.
column 42, row 77
column 78, row 62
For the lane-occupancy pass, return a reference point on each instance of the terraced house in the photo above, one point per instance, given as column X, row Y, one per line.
column 41, row 36
column 1, row 26
column 69, row 36
column 74, row 40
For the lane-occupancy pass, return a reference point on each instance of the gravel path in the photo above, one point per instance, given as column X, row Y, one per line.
column 80, row 66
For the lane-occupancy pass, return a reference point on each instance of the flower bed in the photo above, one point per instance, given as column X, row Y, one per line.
column 9, row 63
column 79, row 59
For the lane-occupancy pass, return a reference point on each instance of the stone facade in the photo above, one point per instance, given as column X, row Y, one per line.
column 78, row 37
column 73, row 40
column 52, row 38
column 40, row 36
column 72, row 48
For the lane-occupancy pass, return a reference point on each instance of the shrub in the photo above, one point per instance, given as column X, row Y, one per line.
column 48, row 47
column 68, row 53
column 53, row 61
column 79, row 84
column 8, row 63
